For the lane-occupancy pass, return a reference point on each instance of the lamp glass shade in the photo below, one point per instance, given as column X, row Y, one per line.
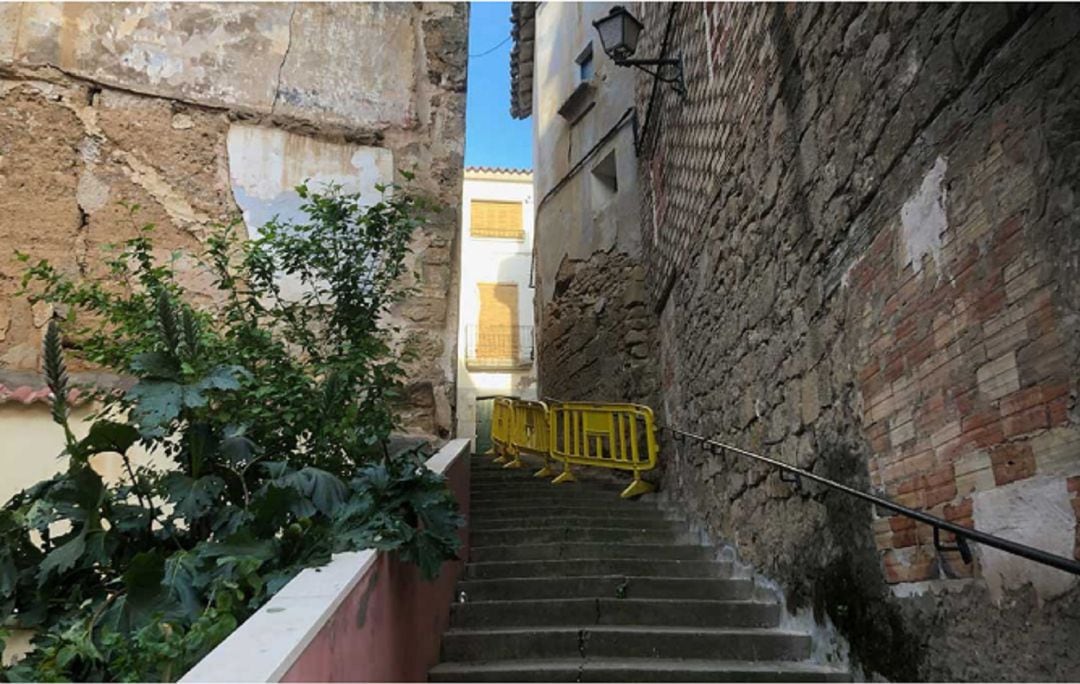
column 619, row 32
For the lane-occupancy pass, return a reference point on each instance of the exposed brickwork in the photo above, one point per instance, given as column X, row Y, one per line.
column 860, row 230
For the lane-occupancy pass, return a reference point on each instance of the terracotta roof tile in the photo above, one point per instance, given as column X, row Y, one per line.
column 498, row 169
column 25, row 394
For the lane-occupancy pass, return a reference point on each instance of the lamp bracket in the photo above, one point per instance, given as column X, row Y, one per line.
column 676, row 81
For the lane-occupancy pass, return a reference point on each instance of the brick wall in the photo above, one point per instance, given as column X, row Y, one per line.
column 860, row 232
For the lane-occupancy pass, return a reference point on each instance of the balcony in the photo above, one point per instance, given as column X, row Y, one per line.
column 498, row 347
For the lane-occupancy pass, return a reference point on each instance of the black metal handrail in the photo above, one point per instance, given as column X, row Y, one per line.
column 963, row 534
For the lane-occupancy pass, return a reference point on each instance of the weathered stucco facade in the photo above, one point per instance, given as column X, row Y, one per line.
column 200, row 113
column 488, row 261
column 860, row 241
column 594, row 330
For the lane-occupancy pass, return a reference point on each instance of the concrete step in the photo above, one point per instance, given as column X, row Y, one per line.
column 487, row 467
column 581, row 567
column 586, row 550
column 555, row 511
column 614, row 611
column 524, row 523
column 606, row 586
column 495, row 481
column 582, row 476
column 634, row 670
column 487, row 471
column 542, row 535
column 538, row 486
column 528, row 479
column 624, row 642
column 544, row 496
column 586, row 507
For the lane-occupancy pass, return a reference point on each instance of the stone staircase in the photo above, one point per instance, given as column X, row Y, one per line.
column 571, row 583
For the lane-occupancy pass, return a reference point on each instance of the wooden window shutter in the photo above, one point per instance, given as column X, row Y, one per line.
column 496, row 219
column 497, row 332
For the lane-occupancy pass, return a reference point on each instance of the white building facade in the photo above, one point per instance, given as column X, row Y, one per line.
column 495, row 329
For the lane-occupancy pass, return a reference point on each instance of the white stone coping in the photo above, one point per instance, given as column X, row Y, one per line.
column 267, row 644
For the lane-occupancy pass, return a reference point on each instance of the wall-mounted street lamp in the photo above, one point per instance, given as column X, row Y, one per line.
column 619, row 32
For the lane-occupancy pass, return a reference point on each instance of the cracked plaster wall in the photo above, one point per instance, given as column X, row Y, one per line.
column 182, row 109
column 594, row 329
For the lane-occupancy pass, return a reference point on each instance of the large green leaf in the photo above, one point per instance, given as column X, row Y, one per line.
column 155, row 403
column 143, row 578
column 156, row 365
column 429, row 552
column 62, row 558
column 272, row 505
column 180, row 580
column 240, row 545
column 108, row 436
column 323, row 489
column 375, row 476
column 223, row 378
column 77, row 497
column 193, row 498
column 128, row 518
column 9, row 572
column 228, row 519
column 238, row 450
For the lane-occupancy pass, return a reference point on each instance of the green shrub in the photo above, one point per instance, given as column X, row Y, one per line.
column 273, row 414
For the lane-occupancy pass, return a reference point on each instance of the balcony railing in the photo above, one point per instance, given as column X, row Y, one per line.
column 507, row 347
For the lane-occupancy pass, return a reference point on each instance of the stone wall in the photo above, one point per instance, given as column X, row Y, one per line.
column 860, row 230
column 598, row 333
column 201, row 112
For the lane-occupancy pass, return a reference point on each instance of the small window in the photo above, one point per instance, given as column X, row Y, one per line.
column 492, row 219
column 605, row 181
column 585, row 63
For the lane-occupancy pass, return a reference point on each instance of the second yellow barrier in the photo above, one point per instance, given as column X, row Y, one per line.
column 529, row 433
column 502, row 418
column 618, row 436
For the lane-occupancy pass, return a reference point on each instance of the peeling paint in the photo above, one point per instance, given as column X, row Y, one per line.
column 1036, row 512
column 923, row 217
column 92, row 193
column 204, row 53
column 266, row 164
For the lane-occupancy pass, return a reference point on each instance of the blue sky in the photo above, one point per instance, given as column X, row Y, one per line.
column 492, row 138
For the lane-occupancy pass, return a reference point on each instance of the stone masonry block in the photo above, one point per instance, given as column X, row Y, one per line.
column 998, row 377
column 1012, row 462
column 1055, row 451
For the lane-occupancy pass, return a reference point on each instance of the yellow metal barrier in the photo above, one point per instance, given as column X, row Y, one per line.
column 529, row 433
column 619, row 436
column 502, row 418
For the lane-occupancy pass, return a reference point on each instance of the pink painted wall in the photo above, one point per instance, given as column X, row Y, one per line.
column 390, row 626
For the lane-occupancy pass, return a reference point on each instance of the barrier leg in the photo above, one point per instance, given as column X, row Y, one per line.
column 566, row 475
column 546, row 471
column 515, row 461
column 637, row 487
